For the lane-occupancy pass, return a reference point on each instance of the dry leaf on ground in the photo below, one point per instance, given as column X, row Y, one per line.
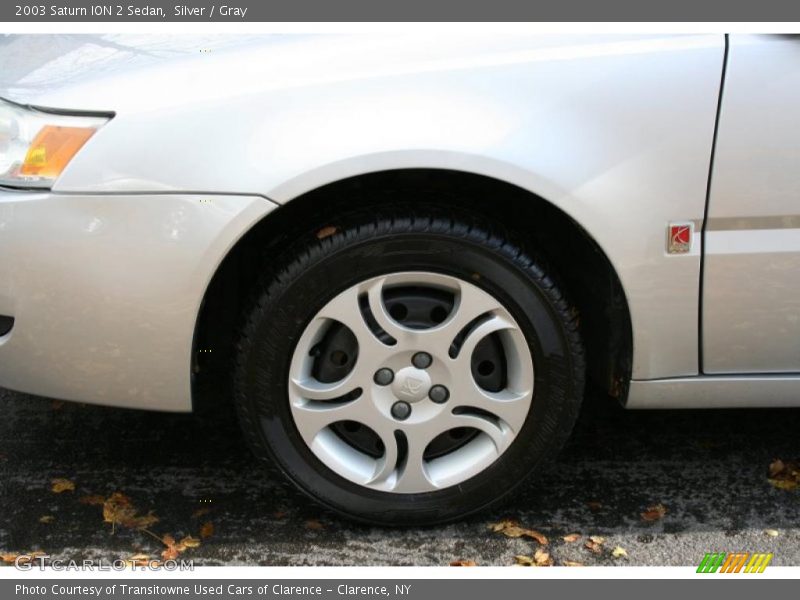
column 776, row 466
column 46, row 519
column 190, row 542
column 572, row 537
column 594, row 505
column 139, row 560
column 59, row 484
column 654, row 512
column 597, row 539
column 174, row 549
column 619, row 552
column 784, row 475
column 542, row 558
column 512, row 529
column 171, row 551
column 772, row 532
column 200, row 512
column 595, row 544
column 463, row 563
column 119, row 510
column 314, row 524
column 504, row 524
column 29, row 556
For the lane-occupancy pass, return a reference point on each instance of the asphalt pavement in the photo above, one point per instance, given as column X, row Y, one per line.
column 708, row 469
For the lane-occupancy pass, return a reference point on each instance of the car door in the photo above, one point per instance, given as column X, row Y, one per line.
column 751, row 283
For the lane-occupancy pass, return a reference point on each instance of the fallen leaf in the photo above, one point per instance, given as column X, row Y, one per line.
column 207, row 530
column 29, row 557
column 513, row 530
column 314, row 524
column 279, row 514
column 772, row 532
column 463, row 563
column 201, row 512
column 140, row 557
column 47, row 519
column 504, row 524
column 542, row 558
column 539, row 537
column 654, row 512
column 594, row 505
column 139, row 560
column 619, row 552
column 572, row 537
column 119, row 510
column 171, row 551
column 776, row 466
column 595, row 544
column 327, row 231
column 572, row 563
column 783, row 484
column 784, row 475
column 59, row 484
column 189, row 542
column 597, row 539
column 174, row 549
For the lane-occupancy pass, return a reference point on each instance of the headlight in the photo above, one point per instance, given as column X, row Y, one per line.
column 36, row 146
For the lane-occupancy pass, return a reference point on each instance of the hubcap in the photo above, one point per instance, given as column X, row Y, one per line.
column 411, row 382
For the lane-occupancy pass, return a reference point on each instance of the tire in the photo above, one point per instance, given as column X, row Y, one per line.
column 284, row 354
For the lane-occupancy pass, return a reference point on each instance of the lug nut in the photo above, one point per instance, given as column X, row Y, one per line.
column 384, row 376
column 401, row 410
column 421, row 360
column 439, row 394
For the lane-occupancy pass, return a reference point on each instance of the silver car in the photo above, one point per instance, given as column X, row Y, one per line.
column 406, row 255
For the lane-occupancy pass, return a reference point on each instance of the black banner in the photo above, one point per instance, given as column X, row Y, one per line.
column 395, row 589
column 392, row 10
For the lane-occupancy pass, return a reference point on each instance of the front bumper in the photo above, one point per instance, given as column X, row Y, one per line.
column 105, row 291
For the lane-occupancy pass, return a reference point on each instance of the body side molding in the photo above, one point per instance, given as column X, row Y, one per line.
column 734, row 391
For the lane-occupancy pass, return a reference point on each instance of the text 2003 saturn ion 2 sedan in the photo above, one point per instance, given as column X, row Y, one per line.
column 407, row 253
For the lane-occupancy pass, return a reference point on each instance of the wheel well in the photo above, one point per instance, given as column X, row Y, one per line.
column 579, row 265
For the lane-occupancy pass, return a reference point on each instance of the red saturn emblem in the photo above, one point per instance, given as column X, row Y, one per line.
column 679, row 238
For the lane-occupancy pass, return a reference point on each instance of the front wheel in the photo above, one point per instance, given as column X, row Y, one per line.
column 408, row 370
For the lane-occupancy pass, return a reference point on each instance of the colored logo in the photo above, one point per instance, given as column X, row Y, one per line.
column 679, row 238
column 735, row 562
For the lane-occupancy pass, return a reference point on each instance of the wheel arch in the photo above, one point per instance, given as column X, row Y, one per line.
column 579, row 263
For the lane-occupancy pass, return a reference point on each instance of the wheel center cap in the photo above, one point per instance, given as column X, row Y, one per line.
column 411, row 384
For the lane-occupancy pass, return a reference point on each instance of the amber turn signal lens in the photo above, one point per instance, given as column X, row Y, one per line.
column 53, row 148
